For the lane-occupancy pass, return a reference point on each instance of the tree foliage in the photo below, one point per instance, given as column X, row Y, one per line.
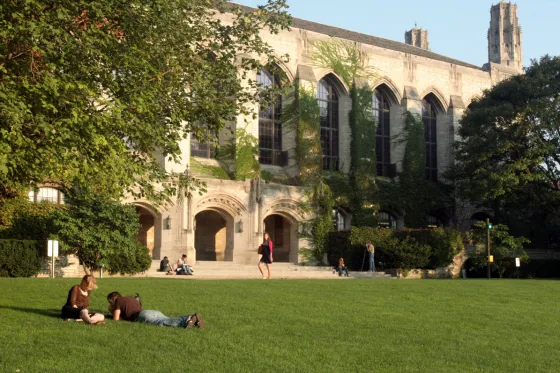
column 97, row 93
column 503, row 247
column 101, row 232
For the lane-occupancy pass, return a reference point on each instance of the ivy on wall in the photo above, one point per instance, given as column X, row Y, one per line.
column 240, row 156
column 364, row 190
column 301, row 115
column 349, row 62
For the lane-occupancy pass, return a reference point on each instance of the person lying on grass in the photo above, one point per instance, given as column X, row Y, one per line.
column 129, row 309
column 76, row 307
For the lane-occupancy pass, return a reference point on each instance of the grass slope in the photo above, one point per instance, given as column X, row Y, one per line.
column 290, row 326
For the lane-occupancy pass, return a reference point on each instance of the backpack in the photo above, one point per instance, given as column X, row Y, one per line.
column 137, row 297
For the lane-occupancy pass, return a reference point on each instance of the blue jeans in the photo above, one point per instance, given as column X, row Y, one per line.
column 158, row 318
column 185, row 268
column 371, row 262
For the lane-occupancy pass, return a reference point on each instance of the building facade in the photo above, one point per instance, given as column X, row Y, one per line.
column 227, row 222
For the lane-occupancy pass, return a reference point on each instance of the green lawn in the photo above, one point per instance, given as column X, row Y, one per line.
column 290, row 326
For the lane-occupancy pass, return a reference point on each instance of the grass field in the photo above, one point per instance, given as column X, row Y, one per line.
column 290, row 326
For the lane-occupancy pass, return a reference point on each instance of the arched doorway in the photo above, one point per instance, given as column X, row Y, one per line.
column 282, row 231
column 147, row 233
column 213, row 237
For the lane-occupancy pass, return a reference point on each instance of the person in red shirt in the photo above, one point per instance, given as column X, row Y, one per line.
column 266, row 257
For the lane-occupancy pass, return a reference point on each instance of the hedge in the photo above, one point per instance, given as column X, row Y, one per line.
column 404, row 249
column 19, row 258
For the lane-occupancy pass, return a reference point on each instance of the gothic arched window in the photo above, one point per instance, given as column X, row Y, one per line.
column 203, row 146
column 386, row 220
column 327, row 98
column 381, row 113
column 270, row 127
column 429, row 116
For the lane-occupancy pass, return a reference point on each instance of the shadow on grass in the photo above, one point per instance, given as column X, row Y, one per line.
column 37, row 311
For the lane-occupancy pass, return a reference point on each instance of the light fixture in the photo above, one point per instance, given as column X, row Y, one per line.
column 240, row 226
column 167, row 223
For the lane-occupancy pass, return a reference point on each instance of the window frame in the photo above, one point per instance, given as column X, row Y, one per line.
column 271, row 125
column 381, row 106
column 330, row 133
column 429, row 117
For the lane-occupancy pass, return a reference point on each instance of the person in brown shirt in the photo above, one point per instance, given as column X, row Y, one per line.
column 129, row 309
column 77, row 303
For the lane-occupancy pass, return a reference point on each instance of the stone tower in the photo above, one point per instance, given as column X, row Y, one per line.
column 504, row 36
column 417, row 37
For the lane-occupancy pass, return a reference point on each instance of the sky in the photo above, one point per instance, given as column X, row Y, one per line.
column 456, row 28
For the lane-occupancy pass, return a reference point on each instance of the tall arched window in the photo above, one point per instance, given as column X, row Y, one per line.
column 270, row 128
column 429, row 114
column 381, row 113
column 327, row 98
column 386, row 220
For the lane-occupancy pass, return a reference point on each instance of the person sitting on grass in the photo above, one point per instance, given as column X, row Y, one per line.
column 76, row 307
column 341, row 267
column 166, row 266
column 182, row 267
column 129, row 309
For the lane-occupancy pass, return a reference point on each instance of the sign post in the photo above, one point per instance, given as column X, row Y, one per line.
column 52, row 251
column 490, row 258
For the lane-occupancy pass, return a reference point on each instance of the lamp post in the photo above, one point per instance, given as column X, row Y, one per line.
column 490, row 258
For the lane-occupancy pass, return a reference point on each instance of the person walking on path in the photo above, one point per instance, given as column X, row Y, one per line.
column 129, row 309
column 77, row 303
column 266, row 257
column 371, row 250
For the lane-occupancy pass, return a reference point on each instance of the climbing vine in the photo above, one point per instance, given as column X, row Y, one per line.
column 240, row 156
column 413, row 184
column 301, row 115
column 348, row 61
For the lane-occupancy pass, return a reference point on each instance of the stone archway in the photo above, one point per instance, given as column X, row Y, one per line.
column 147, row 233
column 283, row 233
column 213, row 238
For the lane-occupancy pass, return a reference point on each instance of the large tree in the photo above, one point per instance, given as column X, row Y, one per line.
column 97, row 93
column 509, row 155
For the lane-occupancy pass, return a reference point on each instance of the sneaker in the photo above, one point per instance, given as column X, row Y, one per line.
column 199, row 321
column 195, row 321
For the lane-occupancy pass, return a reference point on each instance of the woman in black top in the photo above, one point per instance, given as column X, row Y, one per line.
column 266, row 257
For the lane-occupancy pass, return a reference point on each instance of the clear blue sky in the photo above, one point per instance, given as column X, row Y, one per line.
column 457, row 29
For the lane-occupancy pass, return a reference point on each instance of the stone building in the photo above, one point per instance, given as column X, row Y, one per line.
column 227, row 222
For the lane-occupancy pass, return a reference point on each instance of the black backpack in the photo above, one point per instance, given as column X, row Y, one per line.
column 137, row 297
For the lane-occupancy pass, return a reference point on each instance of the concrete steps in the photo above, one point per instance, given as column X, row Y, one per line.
column 229, row 270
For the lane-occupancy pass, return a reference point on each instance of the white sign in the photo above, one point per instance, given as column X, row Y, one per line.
column 52, row 245
column 517, row 262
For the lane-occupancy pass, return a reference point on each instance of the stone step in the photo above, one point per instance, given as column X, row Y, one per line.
column 223, row 270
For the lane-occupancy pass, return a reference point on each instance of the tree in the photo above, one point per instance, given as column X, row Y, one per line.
column 101, row 232
column 98, row 93
column 504, row 248
column 509, row 153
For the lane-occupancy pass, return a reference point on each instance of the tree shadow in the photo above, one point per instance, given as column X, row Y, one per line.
column 55, row 313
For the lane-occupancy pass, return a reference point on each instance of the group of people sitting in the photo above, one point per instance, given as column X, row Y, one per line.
column 182, row 267
column 120, row 308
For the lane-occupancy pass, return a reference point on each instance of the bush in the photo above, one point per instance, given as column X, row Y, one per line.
column 19, row 258
column 406, row 249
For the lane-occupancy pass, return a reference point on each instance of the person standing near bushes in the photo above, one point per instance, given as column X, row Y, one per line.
column 76, row 307
column 371, row 250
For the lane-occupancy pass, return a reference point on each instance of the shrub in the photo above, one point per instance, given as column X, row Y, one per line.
column 406, row 249
column 19, row 258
